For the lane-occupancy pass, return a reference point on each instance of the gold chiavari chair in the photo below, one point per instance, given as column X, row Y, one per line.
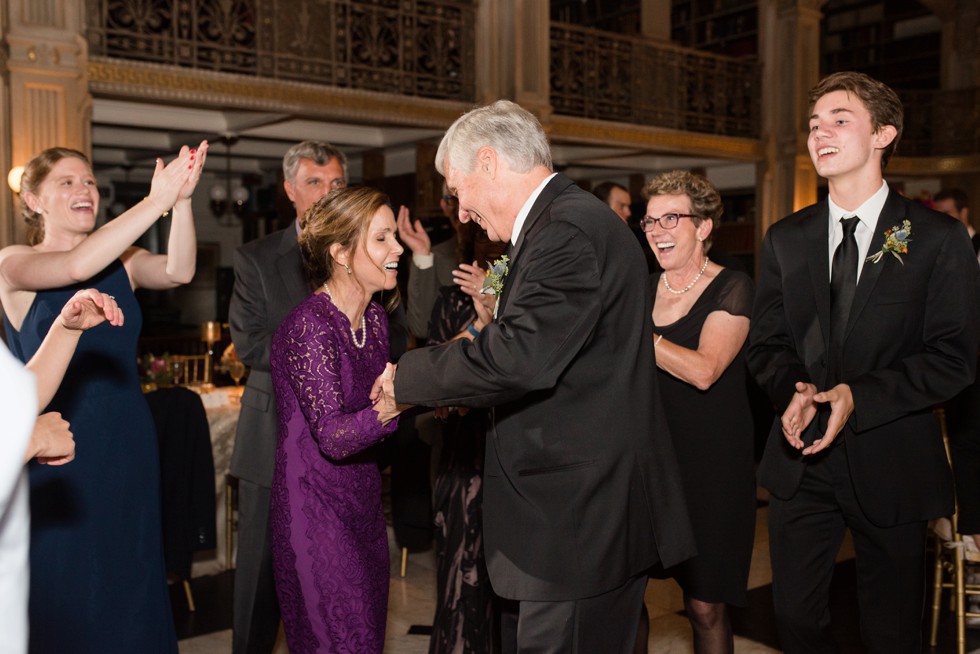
column 950, row 563
column 189, row 369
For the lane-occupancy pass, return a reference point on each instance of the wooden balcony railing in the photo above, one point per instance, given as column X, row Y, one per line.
column 420, row 48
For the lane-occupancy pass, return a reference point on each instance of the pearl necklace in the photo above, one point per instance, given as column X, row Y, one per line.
column 663, row 277
column 353, row 332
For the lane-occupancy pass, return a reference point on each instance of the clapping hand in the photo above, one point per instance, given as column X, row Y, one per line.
column 798, row 415
column 177, row 179
column 412, row 234
column 470, row 278
column 88, row 308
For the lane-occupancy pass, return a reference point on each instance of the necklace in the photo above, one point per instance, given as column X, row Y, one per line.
column 663, row 277
column 353, row 332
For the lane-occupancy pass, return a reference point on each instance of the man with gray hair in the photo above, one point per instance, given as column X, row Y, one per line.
column 581, row 488
column 269, row 282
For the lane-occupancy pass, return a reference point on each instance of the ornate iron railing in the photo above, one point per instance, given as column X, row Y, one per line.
column 407, row 47
column 628, row 79
column 940, row 123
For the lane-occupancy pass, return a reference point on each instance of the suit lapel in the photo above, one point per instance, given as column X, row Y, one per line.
column 894, row 211
column 548, row 194
column 816, row 239
column 289, row 266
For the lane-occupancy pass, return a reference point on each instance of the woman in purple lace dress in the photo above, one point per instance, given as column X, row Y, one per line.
column 329, row 542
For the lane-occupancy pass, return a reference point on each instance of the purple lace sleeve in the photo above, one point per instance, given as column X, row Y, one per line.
column 332, row 385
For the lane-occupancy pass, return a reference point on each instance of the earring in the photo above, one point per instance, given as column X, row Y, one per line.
column 349, row 271
column 700, row 239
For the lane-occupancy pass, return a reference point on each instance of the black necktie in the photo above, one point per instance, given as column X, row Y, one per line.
column 843, row 283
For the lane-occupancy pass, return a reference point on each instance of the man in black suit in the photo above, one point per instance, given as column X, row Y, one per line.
column 865, row 318
column 269, row 282
column 581, row 488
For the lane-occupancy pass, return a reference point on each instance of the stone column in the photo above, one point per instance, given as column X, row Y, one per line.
column 45, row 99
column 513, row 57
column 655, row 20
column 789, row 49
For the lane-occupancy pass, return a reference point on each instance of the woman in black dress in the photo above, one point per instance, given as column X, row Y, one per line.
column 701, row 320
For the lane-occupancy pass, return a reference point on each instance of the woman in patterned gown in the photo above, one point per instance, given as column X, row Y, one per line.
column 700, row 323
column 97, row 580
column 329, row 541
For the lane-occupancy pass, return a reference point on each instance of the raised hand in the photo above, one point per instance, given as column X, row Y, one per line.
column 470, row 278
column 88, row 308
column 52, row 441
column 198, row 157
column 413, row 235
column 169, row 180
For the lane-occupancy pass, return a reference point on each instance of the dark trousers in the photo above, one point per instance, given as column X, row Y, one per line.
column 604, row 623
column 255, row 616
column 805, row 534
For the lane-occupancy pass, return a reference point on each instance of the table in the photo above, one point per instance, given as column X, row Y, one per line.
column 222, row 407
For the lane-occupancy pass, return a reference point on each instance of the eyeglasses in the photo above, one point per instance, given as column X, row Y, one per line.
column 449, row 198
column 667, row 221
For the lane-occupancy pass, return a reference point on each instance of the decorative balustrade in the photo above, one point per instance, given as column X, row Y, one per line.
column 940, row 123
column 607, row 76
column 407, row 47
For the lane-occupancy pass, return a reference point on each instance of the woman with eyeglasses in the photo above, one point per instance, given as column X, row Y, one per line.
column 700, row 322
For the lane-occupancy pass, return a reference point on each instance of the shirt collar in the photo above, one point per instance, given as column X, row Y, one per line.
column 868, row 212
column 526, row 209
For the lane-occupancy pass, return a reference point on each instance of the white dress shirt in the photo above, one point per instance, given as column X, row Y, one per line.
column 868, row 214
column 526, row 209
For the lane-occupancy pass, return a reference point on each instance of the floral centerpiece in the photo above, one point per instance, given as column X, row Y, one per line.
column 155, row 371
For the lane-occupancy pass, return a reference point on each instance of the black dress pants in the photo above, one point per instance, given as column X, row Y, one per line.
column 605, row 623
column 805, row 534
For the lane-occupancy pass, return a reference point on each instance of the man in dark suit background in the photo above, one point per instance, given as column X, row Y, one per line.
column 865, row 318
column 269, row 282
column 581, row 488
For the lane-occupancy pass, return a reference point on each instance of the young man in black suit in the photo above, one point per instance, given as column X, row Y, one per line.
column 865, row 318
column 269, row 282
column 581, row 487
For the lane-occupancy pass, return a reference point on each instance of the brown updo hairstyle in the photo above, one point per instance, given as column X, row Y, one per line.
column 342, row 217
column 35, row 172
column 704, row 197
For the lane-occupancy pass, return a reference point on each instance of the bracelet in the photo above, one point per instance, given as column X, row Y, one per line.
column 472, row 330
column 162, row 215
column 657, row 340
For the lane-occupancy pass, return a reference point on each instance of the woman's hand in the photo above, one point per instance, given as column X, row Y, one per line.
column 470, row 278
column 383, row 396
column 413, row 235
column 88, row 308
column 171, row 181
column 198, row 158
column 51, row 441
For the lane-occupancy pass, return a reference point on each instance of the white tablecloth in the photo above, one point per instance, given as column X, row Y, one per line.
column 222, row 408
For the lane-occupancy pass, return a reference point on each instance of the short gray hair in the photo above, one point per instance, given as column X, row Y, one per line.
column 318, row 152
column 513, row 132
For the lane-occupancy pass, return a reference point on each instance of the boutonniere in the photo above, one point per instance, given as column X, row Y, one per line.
column 896, row 242
column 494, row 283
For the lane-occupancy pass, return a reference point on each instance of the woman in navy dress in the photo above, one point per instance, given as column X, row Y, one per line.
column 97, row 581
column 329, row 541
column 700, row 323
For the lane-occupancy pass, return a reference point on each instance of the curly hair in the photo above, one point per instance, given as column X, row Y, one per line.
column 704, row 197
column 342, row 217
column 35, row 172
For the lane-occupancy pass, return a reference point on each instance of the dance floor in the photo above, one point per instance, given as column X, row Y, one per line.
column 411, row 605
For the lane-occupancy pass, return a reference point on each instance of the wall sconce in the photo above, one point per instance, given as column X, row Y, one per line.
column 223, row 196
column 14, row 177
